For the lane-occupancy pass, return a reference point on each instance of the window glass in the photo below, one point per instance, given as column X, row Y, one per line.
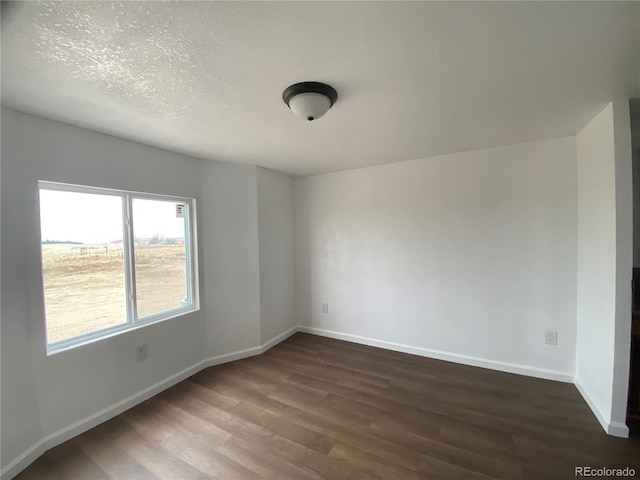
column 160, row 244
column 83, row 263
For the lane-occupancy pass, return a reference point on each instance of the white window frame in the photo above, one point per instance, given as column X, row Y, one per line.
column 132, row 321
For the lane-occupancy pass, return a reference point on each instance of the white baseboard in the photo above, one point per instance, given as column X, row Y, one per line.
column 447, row 356
column 22, row 461
column 276, row 340
column 615, row 429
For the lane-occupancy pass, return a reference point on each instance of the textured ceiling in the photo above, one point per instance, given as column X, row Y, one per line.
column 413, row 79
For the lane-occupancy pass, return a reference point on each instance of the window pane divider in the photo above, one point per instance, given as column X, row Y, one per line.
column 129, row 260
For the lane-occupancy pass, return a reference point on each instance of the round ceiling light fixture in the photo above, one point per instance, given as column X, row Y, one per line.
column 310, row 100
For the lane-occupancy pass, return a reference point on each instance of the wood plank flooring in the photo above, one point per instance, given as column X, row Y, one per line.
column 317, row 408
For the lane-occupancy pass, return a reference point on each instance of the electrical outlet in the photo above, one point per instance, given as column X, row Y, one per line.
column 325, row 308
column 142, row 352
column 551, row 337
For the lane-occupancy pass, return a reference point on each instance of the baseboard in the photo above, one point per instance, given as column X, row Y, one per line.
column 447, row 356
column 596, row 411
column 615, row 429
column 276, row 340
column 25, row 459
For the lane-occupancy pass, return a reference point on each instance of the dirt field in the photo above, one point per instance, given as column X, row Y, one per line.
column 85, row 287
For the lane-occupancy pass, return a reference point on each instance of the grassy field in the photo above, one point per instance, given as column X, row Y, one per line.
column 85, row 286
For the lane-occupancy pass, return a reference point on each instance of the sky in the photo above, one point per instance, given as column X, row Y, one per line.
column 93, row 218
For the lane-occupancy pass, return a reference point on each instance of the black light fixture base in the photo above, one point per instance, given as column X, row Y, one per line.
column 310, row 87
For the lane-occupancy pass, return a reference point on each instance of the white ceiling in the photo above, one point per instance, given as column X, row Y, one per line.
column 414, row 79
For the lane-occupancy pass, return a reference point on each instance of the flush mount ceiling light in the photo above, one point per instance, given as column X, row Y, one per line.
column 310, row 100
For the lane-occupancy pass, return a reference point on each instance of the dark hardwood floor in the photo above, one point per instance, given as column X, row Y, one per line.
column 314, row 408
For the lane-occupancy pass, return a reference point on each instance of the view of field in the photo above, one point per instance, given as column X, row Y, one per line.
column 84, row 285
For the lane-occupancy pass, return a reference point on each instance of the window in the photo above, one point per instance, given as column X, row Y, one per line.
column 113, row 260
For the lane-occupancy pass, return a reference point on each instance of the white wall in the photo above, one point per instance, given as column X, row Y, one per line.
column 604, row 265
column 277, row 247
column 21, row 426
column 624, row 262
column 43, row 396
column 634, row 107
column 231, row 272
column 469, row 257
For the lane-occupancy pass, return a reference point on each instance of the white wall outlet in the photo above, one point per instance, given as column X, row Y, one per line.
column 551, row 337
column 142, row 352
column 325, row 308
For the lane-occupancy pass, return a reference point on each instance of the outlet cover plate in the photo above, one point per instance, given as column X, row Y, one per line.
column 142, row 352
column 551, row 337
